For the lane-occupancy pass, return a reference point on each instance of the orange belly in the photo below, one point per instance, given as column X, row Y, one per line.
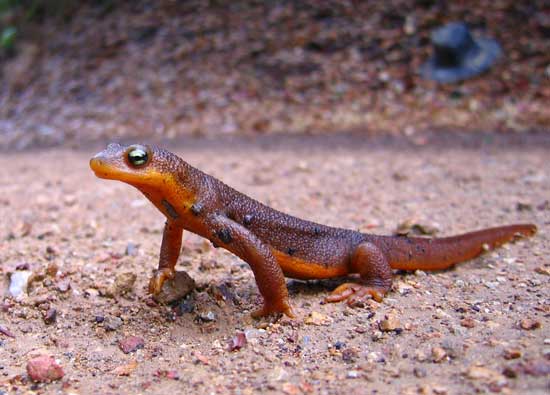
column 305, row 270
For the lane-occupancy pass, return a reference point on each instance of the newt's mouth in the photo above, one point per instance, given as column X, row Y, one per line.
column 113, row 168
column 102, row 169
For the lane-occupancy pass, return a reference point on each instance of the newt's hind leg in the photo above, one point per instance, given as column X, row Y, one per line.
column 375, row 271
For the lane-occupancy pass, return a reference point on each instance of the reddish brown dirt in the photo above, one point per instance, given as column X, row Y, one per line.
column 455, row 330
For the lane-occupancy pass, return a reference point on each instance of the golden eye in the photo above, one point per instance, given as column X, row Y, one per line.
column 138, row 157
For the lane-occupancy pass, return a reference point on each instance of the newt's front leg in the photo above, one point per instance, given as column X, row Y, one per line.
column 169, row 253
column 268, row 274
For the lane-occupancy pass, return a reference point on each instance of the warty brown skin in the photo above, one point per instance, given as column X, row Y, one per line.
column 275, row 244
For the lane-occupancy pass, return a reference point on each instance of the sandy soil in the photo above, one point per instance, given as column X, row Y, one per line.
column 482, row 327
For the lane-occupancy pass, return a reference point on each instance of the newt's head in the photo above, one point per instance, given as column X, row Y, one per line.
column 138, row 165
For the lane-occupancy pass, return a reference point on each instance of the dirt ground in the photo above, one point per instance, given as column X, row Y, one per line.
column 209, row 68
column 482, row 327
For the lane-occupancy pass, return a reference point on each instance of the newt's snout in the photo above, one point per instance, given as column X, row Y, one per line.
column 107, row 162
column 97, row 165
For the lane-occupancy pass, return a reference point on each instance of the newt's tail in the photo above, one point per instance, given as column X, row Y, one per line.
column 415, row 253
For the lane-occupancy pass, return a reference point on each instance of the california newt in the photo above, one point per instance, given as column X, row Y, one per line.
column 275, row 244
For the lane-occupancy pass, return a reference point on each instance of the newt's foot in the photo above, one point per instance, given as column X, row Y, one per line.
column 159, row 277
column 268, row 309
column 354, row 293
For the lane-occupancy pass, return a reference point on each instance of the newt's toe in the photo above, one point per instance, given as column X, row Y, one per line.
column 269, row 309
column 159, row 277
column 354, row 293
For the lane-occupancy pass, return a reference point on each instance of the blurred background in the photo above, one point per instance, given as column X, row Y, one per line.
column 79, row 71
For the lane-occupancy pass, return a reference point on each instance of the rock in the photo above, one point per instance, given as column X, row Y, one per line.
column 185, row 306
column 63, row 286
column 132, row 249
column 52, row 269
column 207, row 316
column 390, row 323
column 124, row 283
column 168, row 374
column 290, row 389
column 349, row 355
column 438, row 354
column 175, row 289
column 511, row 353
column 237, row 342
column 543, row 270
column 420, row 355
column 131, row 344
column 111, row 323
column 315, row 318
column 420, row 372
column 6, row 332
column 453, row 348
column 411, row 228
column 50, row 316
column 19, row 282
column 529, row 324
column 468, row 322
column 485, row 374
column 440, row 390
column 536, row 368
column 44, row 369
column 125, row 370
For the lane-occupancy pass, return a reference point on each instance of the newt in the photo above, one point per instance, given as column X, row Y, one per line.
column 273, row 243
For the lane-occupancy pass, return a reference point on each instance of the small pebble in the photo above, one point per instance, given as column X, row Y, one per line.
column 6, row 332
column 125, row 370
column 124, row 283
column 52, row 269
column 237, row 342
column 420, row 356
column 131, row 249
column 439, row 390
column 208, row 316
column 468, row 323
column 112, row 323
column 543, row 270
column 349, row 355
column 438, row 354
column 420, row 372
column 44, row 369
column 453, row 348
column 318, row 319
column 130, row 344
column 485, row 374
column 529, row 324
column 390, row 323
column 175, row 289
column 50, row 316
column 19, row 282
column 63, row 286
column 512, row 353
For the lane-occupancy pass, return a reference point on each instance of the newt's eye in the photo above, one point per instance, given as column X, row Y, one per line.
column 138, row 157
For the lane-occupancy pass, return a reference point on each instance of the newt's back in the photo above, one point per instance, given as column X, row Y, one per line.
column 297, row 241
